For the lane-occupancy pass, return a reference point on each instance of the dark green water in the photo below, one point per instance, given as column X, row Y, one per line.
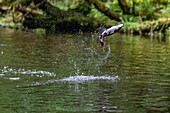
column 70, row 73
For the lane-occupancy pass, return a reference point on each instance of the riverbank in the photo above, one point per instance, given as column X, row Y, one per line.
column 150, row 28
column 139, row 17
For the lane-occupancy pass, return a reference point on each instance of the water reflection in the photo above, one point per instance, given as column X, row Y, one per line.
column 70, row 72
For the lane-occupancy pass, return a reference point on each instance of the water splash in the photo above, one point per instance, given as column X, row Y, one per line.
column 17, row 78
column 3, row 45
column 6, row 71
column 2, row 74
column 87, row 78
column 79, row 79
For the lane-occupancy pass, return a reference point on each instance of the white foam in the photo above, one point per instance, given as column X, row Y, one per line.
column 7, row 70
column 2, row 74
column 17, row 78
column 79, row 79
column 87, row 78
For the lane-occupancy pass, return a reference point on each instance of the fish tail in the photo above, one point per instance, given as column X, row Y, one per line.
column 103, row 44
column 101, row 40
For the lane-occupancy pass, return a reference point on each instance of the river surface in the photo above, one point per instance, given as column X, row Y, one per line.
column 69, row 72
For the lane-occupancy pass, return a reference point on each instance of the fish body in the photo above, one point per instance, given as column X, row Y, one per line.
column 109, row 31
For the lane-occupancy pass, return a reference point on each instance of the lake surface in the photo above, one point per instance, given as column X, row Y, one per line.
column 69, row 72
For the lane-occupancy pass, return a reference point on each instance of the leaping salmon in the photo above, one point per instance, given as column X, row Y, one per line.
column 108, row 32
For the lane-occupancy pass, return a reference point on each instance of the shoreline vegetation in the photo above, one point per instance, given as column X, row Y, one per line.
column 142, row 17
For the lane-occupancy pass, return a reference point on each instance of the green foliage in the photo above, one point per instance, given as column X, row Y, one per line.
column 84, row 8
column 165, row 12
column 149, row 10
column 142, row 11
column 113, row 6
column 69, row 4
column 6, row 21
column 94, row 13
column 62, row 4
column 145, row 10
